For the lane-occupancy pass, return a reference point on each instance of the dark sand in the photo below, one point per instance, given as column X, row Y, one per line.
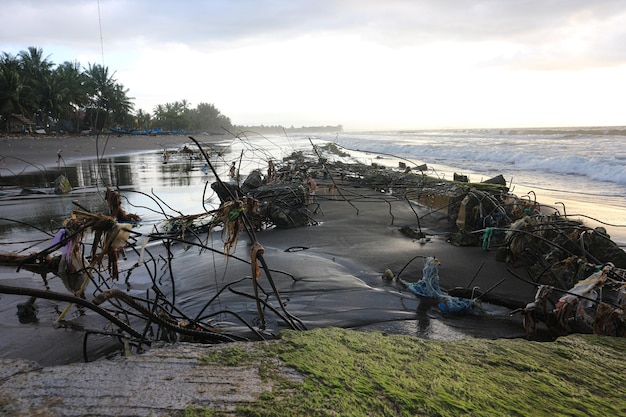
column 29, row 153
column 339, row 271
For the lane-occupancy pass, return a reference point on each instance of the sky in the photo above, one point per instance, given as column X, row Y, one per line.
column 364, row 64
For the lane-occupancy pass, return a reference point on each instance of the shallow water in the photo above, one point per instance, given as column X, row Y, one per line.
column 144, row 178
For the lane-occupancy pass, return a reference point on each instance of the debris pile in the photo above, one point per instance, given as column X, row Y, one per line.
column 556, row 250
column 559, row 252
column 93, row 245
column 594, row 305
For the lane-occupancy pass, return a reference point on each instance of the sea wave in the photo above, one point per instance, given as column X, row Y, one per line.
column 597, row 158
column 566, row 132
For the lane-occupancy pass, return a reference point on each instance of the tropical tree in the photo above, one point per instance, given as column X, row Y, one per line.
column 51, row 99
column 208, row 118
column 69, row 95
column 107, row 97
column 11, row 87
column 142, row 120
column 121, row 106
column 173, row 116
column 75, row 94
column 36, row 97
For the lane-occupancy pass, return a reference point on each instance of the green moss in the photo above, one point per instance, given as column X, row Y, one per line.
column 352, row 373
column 228, row 357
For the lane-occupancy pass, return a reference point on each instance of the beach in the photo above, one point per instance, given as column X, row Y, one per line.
column 339, row 268
column 328, row 274
column 28, row 153
column 366, row 237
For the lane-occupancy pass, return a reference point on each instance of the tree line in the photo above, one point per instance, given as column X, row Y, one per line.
column 71, row 98
column 279, row 130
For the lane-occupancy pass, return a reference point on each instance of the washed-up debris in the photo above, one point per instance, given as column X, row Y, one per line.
column 556, row 250
column 486, row 214
column 593, row 305
column 428, row 287
column 114, row 201
column 62, row 185
column 279, row 204
column 281, row 196
column 92, row 246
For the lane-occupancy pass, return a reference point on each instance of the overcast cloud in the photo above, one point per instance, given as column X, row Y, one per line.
column 362, row 63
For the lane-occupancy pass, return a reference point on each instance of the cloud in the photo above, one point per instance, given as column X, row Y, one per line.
column 393, row 23
column 436, row 62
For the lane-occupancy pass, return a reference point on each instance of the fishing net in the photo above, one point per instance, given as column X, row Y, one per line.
column 428, row 286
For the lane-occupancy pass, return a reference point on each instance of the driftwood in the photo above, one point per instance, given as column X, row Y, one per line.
column 43, row 265
column 90, row 246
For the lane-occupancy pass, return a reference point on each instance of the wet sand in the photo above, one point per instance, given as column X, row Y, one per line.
column 29, row 153
column 338, row 268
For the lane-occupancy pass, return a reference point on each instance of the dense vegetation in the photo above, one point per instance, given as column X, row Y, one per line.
column 303, row 129
column 71, row 98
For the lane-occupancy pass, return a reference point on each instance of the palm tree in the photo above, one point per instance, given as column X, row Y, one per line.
column 75, row 95
column 172, row 115
column 10, row 61
column 11, row 87
column 29, row 84
column 52, row 98
column 34, row 63
column 100, row 85
column 36, row 70
column 158, row 111
column 106, row 95
column 142, row 119
column 120, row 104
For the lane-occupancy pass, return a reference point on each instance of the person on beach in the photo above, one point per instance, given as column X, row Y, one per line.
column 311, row 189
column 59, row 157
column 233, row 171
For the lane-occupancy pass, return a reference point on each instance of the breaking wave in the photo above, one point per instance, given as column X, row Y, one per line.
column 585, row 156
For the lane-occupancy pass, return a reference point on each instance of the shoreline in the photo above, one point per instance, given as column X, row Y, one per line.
column 30, row 153
column 359, row 241
column 348, row 248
